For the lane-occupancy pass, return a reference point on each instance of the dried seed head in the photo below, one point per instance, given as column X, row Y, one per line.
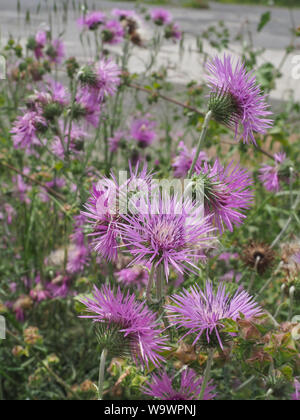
column 258, row 255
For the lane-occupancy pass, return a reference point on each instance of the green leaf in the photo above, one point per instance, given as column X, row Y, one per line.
column 264, row 19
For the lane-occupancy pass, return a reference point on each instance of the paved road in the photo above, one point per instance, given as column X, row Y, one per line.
column 274, row 38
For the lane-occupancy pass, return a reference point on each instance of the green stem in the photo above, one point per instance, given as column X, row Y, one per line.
column 291, row 293
column 208, row 117
column 206, row 373
column 101, row 374
column 150, row 283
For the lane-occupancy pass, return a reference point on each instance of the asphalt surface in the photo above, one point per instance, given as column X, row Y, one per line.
column 274, row 38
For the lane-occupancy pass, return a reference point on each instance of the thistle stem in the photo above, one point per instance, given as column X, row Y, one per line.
column 207, row 119
column 159, row 284
column 150, row 283
column 291, row 294
column 101, row 374
column 206, row 373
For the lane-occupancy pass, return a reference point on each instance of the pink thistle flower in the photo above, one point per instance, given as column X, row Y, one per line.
column 161, row 16
column 143, row 131
column 77, row 259
column 183, row 161
column 173, row 32
column 104, row 211
column 25, row 130
column 115, row 141
column 134, row 321
column 89, row 107
column 136, row 276
column 270, row 175
column 226, row 192
column 236, row 99
column 124, row 14
column 202, row 312
column 92, row 20
column 113, row 32
column 168, row 233
column 56, row 51
column 163, row 387
column 41, row 41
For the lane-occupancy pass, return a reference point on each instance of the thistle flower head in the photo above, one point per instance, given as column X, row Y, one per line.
column 236, row 99
column 201, row 312
column 272, row 176
column 132, row 320
column 26, row 128
column 143, row 131
column 164, row 231
column 92, row 20
column 226, row 192
column 136, row 276
column 184, row 159
column 188, row 387
column 258, row 255
column 113, row 32
column 161, row 16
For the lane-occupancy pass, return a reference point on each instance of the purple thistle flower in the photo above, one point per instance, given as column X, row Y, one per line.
column 296, row 395
column 113, row 32
column 184, row 159
column 202, row 312
column 92, row 20
column 173, row 32
column 108, row 78
column 235, row 88
column 136, row 276
column 124, row 14
column 25, row 130
column 103, row 211
column 77, row 136
column 163, row 387
column 89, row 106
column 270, row 175
column 77, row 259
column 41, row 41
column 133, row 319
column 167, row 232
column 161, row 16
column 114, row 142
column 143, row 131
column 56, row 51
column 226, row 192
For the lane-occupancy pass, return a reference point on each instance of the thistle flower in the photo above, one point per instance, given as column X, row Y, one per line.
column 77, row 259
column 102, row 80
column 77, row 136
column 56, row 51
column 183, row 161
column 92, row 20
column 272, row 175
column 113, row 32
column 136, row 276
column 41, row 41
column 259, row 255
column 168, row 233
column 236, row 99
column 116, row 140
column 202, row 312
column 25, row 130
column 226, row 192
column 143, row 131
column 161, row 16
column 87, row 106
column 103, row 211
column 164, row 388
column 173, row 32
column 133, row 322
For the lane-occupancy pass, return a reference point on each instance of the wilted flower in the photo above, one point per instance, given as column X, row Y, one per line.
column 202, row 312
column 130, row 320
column 259, row 255
column 226, row 192
column 189, row 388
column 271, row 176
column 236, row 99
